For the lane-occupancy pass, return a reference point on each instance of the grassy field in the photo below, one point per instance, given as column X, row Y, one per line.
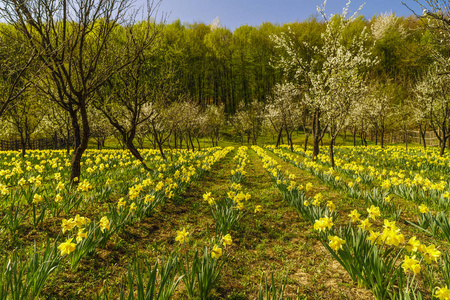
column 271, row 237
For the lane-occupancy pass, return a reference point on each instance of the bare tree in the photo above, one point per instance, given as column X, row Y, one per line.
column 76, row 42
column 163, row 122
column 126, row 98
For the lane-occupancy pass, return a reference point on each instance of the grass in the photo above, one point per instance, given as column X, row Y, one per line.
column 275, row 240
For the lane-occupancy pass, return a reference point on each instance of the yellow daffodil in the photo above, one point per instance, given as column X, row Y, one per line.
column 354, row 215
column 37, row 199
column 331, row 206
column 67, row 225
column 81, row 235
column 227, row 240
column 67, row 247
column 323, row 223
column 374, row 212
column 443, row 293
column 365, row 224
column 104, row 224
column 182, row 236
column 413, row 244
column 58, row 198
column 411, row 264
column 373, row 236
column 121, row 203
column 423, row 209
column 216, row 252
column 336, row 242
column 431, row 254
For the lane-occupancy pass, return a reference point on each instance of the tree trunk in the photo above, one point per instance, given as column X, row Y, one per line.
column 198, row 143
column 176, row 139
column 129, row 142
column 354, row 136
column 192, row 144
column 376, row 136
column 161, row 151
column 76, row 129
column 288, row 137
column 424, row 141
column 444, row 139
column 68, row 140
column 406, row 137
column 279, row 136
column 83, row 142
column 332, row 151
column 23, row 143
column 316, row 135
column 406, row 140
column 316, row 147
column 305, row 147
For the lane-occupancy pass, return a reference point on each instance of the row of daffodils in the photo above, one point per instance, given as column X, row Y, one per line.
column 35, row 192
column 201, row 272
column 374, row 251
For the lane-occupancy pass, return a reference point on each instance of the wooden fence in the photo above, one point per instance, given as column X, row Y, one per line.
column 413, row 136
column 39, row 144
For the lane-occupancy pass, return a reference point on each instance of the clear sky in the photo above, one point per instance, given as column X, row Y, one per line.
column 234, row 13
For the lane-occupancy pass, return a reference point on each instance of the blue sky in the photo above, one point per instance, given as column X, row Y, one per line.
column 234, row 13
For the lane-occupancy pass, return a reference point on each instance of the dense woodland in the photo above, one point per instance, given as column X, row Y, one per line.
column 87, row 69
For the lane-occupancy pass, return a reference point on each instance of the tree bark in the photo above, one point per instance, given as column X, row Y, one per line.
column 376, row 136
column 176, row 139
column 332, row 151
column 444, row 139
column 280, row 132
column 192, row 144
column 83, row 142
column 289, row 138
column 305, row 147
column 23, row 144
column 316, row 135
column 198, row 143
column 129, row 142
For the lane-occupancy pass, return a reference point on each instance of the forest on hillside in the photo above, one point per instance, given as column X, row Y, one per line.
column 78, row 72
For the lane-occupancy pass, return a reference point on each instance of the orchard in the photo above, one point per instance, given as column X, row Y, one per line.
column 142, row 159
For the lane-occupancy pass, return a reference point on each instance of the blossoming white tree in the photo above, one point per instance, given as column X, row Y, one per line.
column 215, row 120
column 334, row 79
column 284, row 112
column 433, row 94
column 248, row 121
